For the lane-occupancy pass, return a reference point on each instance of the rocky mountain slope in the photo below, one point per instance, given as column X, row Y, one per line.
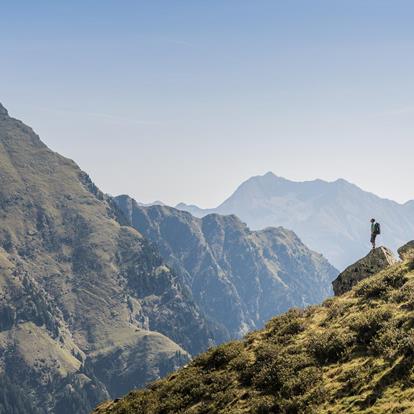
column 329, row 217
column 352, row 354
column 239, row 278
column 88, row 309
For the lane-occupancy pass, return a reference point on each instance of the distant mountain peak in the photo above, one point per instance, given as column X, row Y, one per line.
column 329, row 216
column 180, row 205
column 271, row 178
column 268, row 176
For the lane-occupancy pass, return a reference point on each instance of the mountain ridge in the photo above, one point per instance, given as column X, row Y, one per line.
column 287, row 180
column 238, row 277
column 330, row 217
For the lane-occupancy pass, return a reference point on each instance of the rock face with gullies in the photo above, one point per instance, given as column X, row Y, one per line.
column 377, row 260
column 88, row 309
column 239, row 278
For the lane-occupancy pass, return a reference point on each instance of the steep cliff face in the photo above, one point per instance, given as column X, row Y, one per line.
column 239, row 278
column 352, row 354
column 87, row 307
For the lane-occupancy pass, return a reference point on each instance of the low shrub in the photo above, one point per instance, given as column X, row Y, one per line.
column 377, row 288
column 327, row 303
column 277, row 370
column 392, row 340
column 282, row 328
column 367, row 323
column 218, row 357
column 355, row 378
column 330, row 346
column 404, row 296
column 336, row 310
column 263, row 404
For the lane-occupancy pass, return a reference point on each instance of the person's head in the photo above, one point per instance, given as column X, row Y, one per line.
column 372, row 220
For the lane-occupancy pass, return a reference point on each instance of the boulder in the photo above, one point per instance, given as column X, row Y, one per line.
column 406, row 252
column 378, row 259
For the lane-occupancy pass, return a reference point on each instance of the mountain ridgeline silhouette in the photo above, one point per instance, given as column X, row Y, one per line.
column 329, row 217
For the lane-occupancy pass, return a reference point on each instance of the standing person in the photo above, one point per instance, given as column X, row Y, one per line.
column 375, row 230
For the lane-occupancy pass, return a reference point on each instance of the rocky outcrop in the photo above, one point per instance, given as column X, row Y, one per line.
column 239, row 278
column 377, row 260
column 406, row 252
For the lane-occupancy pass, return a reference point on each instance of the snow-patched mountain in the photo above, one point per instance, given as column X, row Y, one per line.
column 329, row 217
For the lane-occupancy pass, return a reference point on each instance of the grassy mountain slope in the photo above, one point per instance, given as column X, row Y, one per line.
column 238, row 277
column 352, row 354
column 87, row 307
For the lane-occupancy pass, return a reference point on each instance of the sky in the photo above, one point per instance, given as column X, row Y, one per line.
column 179, row 100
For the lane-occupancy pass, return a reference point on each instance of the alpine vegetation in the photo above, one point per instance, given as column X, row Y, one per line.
column 352, row 354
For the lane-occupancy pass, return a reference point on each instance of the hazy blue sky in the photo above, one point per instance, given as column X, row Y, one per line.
column 183, row 100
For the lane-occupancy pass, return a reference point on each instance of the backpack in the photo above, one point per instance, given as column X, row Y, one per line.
column 377, row 228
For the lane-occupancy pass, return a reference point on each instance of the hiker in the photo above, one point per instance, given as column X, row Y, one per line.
column 375, row 230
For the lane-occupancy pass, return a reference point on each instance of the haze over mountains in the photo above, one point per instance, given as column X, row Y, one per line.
column 329, row 217
column 239, row 278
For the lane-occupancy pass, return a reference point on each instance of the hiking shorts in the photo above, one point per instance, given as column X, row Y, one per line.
column 373, row 237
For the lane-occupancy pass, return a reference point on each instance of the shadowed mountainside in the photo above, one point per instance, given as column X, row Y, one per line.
column 238, row 277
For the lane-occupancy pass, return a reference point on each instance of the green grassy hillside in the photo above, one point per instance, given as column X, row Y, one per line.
column 352, row 354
